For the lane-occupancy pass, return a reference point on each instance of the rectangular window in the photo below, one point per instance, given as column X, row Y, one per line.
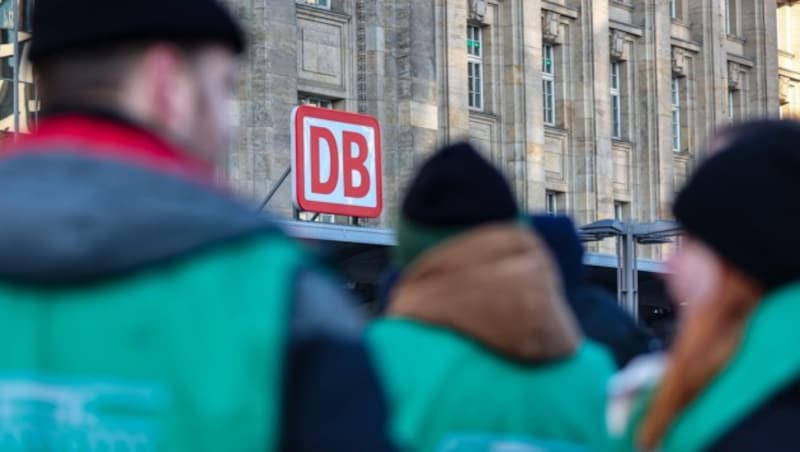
column 318, row 3
column 317, row 217
column 548, row 87
column 616, row 102
column 621, row 210
column 730, row 17
column 676, row 114
column 731, row 106
column 673, row 9
column 554, row 203
column 306, row 99
column 475, row 66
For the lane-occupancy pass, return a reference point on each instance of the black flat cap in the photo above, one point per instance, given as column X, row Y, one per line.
column 64, row 26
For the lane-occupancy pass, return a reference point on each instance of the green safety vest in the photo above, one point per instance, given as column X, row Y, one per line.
column 183, row 357
column 448, row 394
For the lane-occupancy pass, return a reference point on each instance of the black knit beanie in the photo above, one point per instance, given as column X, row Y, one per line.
column 743, row 202
column 455, row 190
column 61, row 26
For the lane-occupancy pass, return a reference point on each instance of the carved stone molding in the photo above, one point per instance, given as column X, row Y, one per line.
column 785, row 85
column 680, row 61
column 618, row 47
column 551, row 27
column 477, row 10
column 735, row 73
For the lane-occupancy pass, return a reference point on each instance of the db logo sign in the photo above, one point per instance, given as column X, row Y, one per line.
column 336, row 157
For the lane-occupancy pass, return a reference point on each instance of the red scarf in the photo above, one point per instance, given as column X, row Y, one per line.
column 107, row 138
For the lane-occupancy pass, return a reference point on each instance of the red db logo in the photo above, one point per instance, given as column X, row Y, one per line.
column 336, row 157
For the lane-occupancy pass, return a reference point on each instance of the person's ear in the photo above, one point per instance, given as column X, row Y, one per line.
column 165, row 86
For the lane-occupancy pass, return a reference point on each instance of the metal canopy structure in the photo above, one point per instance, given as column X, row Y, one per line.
column 629, row 236
column 367, row 248
column 365, row 252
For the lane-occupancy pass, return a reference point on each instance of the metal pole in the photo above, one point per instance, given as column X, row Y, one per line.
column 15, row 60
column 635, row 278
column 631, row 267
column 620, row 270
column 627, row 271
column 275, row 188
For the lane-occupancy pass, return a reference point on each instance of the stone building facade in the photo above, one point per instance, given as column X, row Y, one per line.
column 598, row 108
column 788, row 23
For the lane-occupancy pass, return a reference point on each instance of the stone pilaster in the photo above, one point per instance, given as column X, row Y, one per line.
column 589, row 129
column 760, row 27
column 452, row 70
column 653, row 158
column 708, row 28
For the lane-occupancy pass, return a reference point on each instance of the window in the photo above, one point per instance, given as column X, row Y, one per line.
column 676, row 114
column 321, row 102
column 785, row 28
column 621, row 210
column 19, row 99
column 730, row 17
column 554, row 203
column 307, row 99
column 673, row 9
column 548, row 87
column 732, row 95
column 616, row 103
column 318, row 3
column 317, row 217
column 475, row 66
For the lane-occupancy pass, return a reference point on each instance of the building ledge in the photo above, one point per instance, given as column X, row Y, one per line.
column 681, row 22
column 484, row 116
column 625, row 4
column 627, row 28
column 566, row 11
column 737, row 39
column 691, row 46
column 322, row 13
column 555, row 131
column 741, row 60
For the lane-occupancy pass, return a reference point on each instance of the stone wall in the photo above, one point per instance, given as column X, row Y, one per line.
column 405, row 62
column 788, row 25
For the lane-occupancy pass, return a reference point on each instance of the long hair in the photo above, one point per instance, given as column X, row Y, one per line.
column 709, row 338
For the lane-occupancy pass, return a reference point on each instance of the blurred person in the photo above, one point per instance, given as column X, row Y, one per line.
column 478, row 349
column 598, row 313
column 732, row 380
column 141, row 307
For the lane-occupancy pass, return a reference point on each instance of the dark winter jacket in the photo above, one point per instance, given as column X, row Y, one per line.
column 179, row 316
column 772, row 427
column 597, row 311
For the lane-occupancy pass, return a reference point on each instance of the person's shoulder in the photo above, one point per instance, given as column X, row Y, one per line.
column 595, row 355
column 269, row 247
column 629, row 393
column 417, row 337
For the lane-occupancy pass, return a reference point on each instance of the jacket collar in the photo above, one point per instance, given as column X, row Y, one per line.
column 496, row 285
column 89, row 197
column 766, row 362
column 109, row 135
